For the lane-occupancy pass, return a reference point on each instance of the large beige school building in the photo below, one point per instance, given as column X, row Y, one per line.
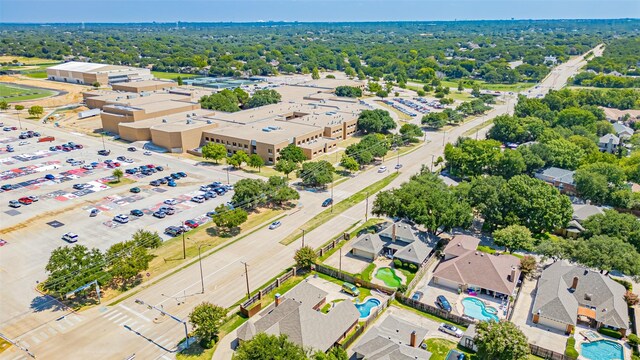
column 89, row 73
column 309, row 116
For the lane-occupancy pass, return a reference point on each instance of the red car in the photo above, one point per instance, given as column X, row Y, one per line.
column 191, row 223
column 150, row 166
column 25, row 201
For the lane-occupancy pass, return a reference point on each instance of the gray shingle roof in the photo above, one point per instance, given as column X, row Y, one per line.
column 609, row 137
column 416, row 252
column 621, row 128
column 369, row 242
column 558, row 174
column 582, row 212
column 304, row 326
column 555, row 300
column 404, row 232
column 389, row 340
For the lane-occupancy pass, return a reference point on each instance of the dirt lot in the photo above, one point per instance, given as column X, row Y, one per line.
column 73, row 92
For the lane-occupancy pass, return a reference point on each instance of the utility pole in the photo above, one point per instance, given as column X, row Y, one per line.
column 332, row 195
column 366, row 209
column 398, row 157
column 103, row 146
column 444, row 136
column 246, row 276
column 302, row 237
column 184, row 246
column 200, row 261
column 432, row 156
column 19, row 121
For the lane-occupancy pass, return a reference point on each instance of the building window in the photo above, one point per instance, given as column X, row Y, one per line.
column 269, row 151
column 245, row 146
column 270, row 159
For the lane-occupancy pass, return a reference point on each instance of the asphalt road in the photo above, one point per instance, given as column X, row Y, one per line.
column 136, row 329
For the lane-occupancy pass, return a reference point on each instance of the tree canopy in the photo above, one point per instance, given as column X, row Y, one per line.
column 501, row 341
column 269, row 347
column 375, row 121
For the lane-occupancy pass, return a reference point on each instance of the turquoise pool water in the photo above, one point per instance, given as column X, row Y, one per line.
column 365, row 307
column 602, row 350
column 476, row 309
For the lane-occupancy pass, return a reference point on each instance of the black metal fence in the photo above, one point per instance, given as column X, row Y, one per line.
column 547, row 354
column 335, row 273
column 268, row 288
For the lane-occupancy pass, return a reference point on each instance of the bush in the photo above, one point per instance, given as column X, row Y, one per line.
column 627, row 284
column 413, row 268
column 633, row 340
column 610, row 332
column 397, row 263
column 570, row 349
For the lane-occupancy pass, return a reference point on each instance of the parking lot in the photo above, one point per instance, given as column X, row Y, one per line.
column 68, row 188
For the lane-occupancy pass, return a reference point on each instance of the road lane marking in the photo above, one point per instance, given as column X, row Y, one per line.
column 135, row 312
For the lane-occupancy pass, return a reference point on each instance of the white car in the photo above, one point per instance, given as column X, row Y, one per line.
column 198, row 199
column 129, row 161
column 33, row 198
column 170, row 201
column 23, row 143
column 70, row 237
column 382, row 169
column 87, row 167
column 121, row 218
column 275, row 225
column 148, row 153
column 450, row 329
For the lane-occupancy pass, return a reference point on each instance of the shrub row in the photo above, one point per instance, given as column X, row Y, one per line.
column 398, row 264
column 610, row 332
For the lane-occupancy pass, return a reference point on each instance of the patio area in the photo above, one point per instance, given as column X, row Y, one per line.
column 350, row 263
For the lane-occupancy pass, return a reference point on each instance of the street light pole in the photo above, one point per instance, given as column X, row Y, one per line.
column 184, row 247
column 366, row 209
column 432, row 156
column 444, row 136
column 246, row 276
column 19, row 121
column 103, row 145
column 398, row 157
column 161, row 310
column 302, row 237
column 332, row 195
column 200, row 261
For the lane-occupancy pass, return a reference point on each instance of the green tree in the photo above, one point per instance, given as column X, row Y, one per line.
column 336, row 353
column 475, row 91
column 554, row 248
column 349, row 163
column 228, row 219
column 4, row 106
column 263, row 97
column 206, row 320
column 117, row 173
column 236, row 160
column 614, row 224
column 179, row 80
column 501, row 341
column 426, row 200
column 382, row 94
column 225, row 100
column 514, row 238
column 250, row 192
column 285, row 166
column 214, row 151
column 127, row 260
column 19, row 107
column 70, row 267
column 315, row 74
column 375, row 121
column 607, row 253
column 361, row 75
column 435, row 120
column 460, row 86
column 348, row 91
column 255, row 161
column 36, row 110
column 528, row 265
column 280, row 191
column 146, row 238
column 410, row 132
column 242, row 95
column 591, row 186
column 305, row 257
column 268, row 347
column 509, row 164
column 292, row 153
column 316, row 173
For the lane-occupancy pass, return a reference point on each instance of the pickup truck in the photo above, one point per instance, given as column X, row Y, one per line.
column 46, row 139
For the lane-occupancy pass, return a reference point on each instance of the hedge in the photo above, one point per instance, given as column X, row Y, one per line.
column 570, row 349
column 610, row 332
column 627, row 284
column 407, row 266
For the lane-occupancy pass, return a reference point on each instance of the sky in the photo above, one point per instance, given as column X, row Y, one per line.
column 42, row 11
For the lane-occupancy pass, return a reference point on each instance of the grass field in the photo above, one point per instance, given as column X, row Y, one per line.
column 520, row 86
column 170, row 75
column 11, row 93
column 26, row 60
column 36, row 74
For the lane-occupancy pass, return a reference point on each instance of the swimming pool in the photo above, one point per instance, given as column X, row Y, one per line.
column 388, row 275
column 478, row 310
column 602, row 350
column 365, row 307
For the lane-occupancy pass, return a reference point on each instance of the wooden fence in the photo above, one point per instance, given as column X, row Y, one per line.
column 362, row 327
column 335, row 273
column 420, row 273
column 547, row 354
column 267, row 289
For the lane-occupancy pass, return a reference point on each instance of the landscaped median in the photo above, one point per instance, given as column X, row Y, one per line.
column 340, row 207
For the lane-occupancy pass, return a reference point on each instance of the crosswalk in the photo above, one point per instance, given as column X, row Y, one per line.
column 140, row 325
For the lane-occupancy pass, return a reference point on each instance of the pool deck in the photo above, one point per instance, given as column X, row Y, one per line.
column 580, row 339
column 486, row 299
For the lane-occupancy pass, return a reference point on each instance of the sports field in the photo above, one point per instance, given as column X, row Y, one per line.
column 12, row 93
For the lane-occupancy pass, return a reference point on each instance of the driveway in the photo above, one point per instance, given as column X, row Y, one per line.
column 537, row 334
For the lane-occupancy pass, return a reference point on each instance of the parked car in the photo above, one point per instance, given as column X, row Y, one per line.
column 168, row 210
column 131, row 148
column 121, row 158
column 21, row 143
column 417, row 296
column 450, row 329
column 25, row 201
column 147, row 153
column 159, row 168
column 382, row 169
column 211, row 213
column 136, row 212
column 94, row 212
column 220, row 191
column 170, row 201
column 398, row 166
column 443, row 303
column 191, row 224
column 70, row 237
column 6, row 187
column 182, row 174
column 135, row 190
column 173, row 231
column 172, row 184
column 80, row 186
column 104, row 152
column 87, row 167
column 197, row 199
column 14, row 203
column 162, row 181
column 275, row 225
column 176, row 176
column 49, row 177
column 160, row 214
column 33, row 198
column 327, row 202
column 350, row 289
column 209, row 195
column 121, row 218
column 154, row 183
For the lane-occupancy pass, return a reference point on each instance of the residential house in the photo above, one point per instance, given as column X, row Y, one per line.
column 464, row 268
column 580, row 213
column 561, row 179
column 399, row 240
column 623, row 131
column 393, row 338
column 551, row 59
column 568, row 295
column 298, row 316
column 609, row 143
